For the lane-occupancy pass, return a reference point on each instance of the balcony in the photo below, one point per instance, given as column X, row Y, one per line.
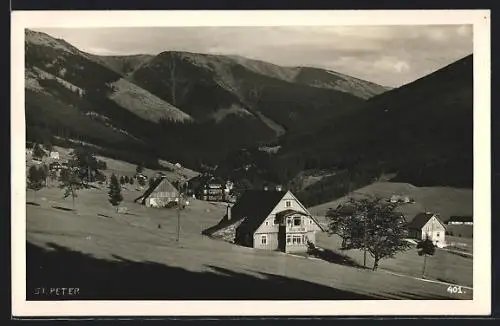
column 299, row 228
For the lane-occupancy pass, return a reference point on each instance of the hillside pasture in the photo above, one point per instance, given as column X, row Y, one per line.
column 136, row 256
column 445, row 201
column 122, row 168
column 443, row 266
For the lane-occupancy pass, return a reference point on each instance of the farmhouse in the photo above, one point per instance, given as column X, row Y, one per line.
column 271, row 220
column 427, row 225
column 212, row 190
column 55, row 166
column 209, row 188
column 140, row 176
column 54, row 155
column 400, row 199
column 159, row 194
column 460, row 220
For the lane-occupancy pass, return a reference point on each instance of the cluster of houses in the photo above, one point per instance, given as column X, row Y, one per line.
column 162, row 193
column 53, row 155
column 401, row 199
column 277, row 220
column 274, row 219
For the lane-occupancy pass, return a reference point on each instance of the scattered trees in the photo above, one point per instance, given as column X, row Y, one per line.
column 48, row 145
column 371, row 225
column 38, row 152
column 53, row 175
column 426, row 247
column 87, row 164
column 45, row 173
column 36, row 179
column 70, row 183
column 115, row 195
column 100, row 177
column 139, row 168
column 342, row 223
column 64, row 175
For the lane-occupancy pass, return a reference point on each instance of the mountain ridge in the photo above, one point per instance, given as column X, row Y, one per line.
column 211, row 95
column 422, row 132
column 198, row 109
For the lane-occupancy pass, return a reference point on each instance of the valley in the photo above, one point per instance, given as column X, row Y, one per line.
column 250, row 125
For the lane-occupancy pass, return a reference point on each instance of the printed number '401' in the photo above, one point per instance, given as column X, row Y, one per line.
column 454, row 289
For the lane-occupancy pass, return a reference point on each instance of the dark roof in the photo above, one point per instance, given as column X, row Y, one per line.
column 421, row 219
column 150, row 190
column 343, row 209
column 200, row 181
column 216, row 180
column 462, row 219
column 253, row 206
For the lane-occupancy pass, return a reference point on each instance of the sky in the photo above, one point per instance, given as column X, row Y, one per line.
column 387, row 55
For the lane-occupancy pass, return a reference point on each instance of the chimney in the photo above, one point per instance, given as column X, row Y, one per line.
column 228, row 212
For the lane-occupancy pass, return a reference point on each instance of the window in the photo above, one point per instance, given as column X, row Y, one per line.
column 297, row 221
column 296, row 239
column 267, row 223
column 437, row 234
column 288, row 239
column 263, row 239
column 288, row 203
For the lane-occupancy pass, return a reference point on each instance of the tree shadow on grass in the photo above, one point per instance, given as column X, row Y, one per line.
column 123, row 279
column 335, row 258
column 64, row 208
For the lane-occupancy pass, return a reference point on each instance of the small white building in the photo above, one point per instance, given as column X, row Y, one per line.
column 460, row 220
column 160, row 194
column 427, row 226
column 54, row 155
column 400, row 199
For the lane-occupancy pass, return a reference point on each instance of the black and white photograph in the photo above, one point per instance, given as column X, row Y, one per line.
column 317, row 160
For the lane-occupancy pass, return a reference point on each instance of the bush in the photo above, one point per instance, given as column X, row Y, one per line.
column 171, row 204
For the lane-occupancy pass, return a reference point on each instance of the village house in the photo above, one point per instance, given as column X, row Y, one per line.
column 460, row 220
column 55, row 166
column 213, row 190
column 270, row 220
column 210, row 188
column 140, row 176
column 427, row 226
column 160, row 194
column 400, row 199
column 54, row 155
